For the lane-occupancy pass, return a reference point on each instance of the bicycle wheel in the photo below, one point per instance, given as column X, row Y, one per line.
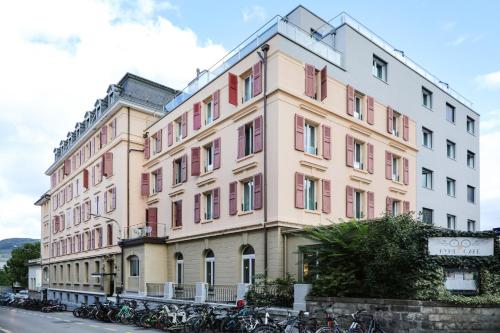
column 146, row 321
column 266, row 329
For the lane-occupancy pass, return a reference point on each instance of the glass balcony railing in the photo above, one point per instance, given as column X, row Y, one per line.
column 344, row 18
column 272, row 27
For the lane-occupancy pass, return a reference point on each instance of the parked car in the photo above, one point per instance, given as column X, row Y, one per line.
column 22, row 294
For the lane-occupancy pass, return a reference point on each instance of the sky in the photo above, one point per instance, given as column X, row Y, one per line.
column 57, row 57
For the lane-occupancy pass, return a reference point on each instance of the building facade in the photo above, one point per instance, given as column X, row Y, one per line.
column 307, row 122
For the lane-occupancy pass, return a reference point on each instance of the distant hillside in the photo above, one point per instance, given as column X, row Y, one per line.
column 8, row 244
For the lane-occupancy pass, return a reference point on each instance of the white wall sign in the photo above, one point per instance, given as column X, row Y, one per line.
column 460, row 246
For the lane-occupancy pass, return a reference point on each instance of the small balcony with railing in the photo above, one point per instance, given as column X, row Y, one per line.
column 146, row 230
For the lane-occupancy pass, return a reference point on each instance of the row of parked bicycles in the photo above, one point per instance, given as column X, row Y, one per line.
column 201, row 318
column 33, row 304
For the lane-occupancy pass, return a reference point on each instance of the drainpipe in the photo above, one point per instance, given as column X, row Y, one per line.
column 263, row 57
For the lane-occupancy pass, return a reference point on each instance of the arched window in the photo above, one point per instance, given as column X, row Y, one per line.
column 179, row 268
column 248, row 264
column 210, row 267
column 134, row 265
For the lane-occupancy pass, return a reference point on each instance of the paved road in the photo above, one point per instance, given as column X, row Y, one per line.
column 24, row 321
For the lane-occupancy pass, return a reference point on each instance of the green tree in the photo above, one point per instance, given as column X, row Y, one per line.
column 16, row 269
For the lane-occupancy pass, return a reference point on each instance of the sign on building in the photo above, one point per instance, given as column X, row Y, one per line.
column 460, row 246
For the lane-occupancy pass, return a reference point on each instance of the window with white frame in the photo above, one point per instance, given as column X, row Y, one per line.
column 110, row 199
column 177, row 171
column 358, row 155
column 134, row 265
column 396, row 167
column 310, row 144
column 358, row 106
column 178, row 129
column 249, row 139
column 471, row 159
column 208, row 152
column 96, row 207
column 450, row 187
column 427, row 215
column 179, row 268
column 471, row 225
column 450, row 149
column 395, row 207
column 426, row 98
column 358, row 204
column 208, row 205
column 247, row 86
column 154, row 181
column 427, row 178
column 209, row 117
column 247, row 204
column 396, row 123
column 471, row 194
column 248, row 264
column 450, row 113
column 310, row 194
column 379, row 68
column 451, row 221
column 471, row 125
column 210, row 267
column 426, row 137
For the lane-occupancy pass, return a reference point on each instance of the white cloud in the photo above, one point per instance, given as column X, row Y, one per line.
column 255, row 12
column 458, row 41
column 489, row 80
column 57, row 58
column 447, row 26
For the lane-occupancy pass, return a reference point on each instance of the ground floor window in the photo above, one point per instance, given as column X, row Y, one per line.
column 248, row 264
column 179, row 268
column 134, row 265
column 308, row 264
column 210, row 267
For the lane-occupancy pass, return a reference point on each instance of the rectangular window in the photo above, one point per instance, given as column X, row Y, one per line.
column 426, row 137
column 209, row 157
column 396, row 167
column 471, row 225
column 451, row 221
column 450, row 149
column 471, row 125
column 358, row 106
column 426, row 98
column 154, row 181
column 77, row 272
column 247, row 204
column 471, row 159
column 247, row 85
column 358, row 155
column 358, row 204
column 395, row 207
column 450, row 187
column 427, row 215
column 110, row 199
column 471, row 194
column 178, row 171
column 450, row 113
column 427, row 178
column 396, row 120
column 248, row 139
column 379, row 68
column 309, row 194
column 178, row 129
column 310, row 139
column 177, row 213
column 209, row 117
column 209, row 203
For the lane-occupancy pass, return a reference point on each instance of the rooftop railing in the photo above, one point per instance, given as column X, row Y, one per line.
column 272, row 27
column 344, row 18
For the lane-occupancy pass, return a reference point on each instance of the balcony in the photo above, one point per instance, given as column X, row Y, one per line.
column 274, row 26
column 143, row 230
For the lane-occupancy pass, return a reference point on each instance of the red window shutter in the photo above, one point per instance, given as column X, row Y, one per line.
column 349, row 201
column 113, row 199
column 371, row 205
column 216, row 104
column 159, row 140
column 390, row 114
column 233, row 89
column 388, row 206
column 145, row 184
column 327, row 138
column 184, row 124
column 406, row 207
column 257, row 134
column 153, row 221
column 233, row 208
column 299, row 190
column 241, row 141
column 92, row 242
column 110, row 234
column 108, row 164
column 310, row 82
column 105, row 198
column 257, row 79
column 406, row 171
column 406, row 128
column 299, row 133
column 326, row 196
column 371, row 154
column 197, row 198
column 388, row 165
column 350, row 100
column 170, row 134
column 195, row 161
column 216, row 195
column 178, row 214
column 184, row 168
column 370, row 110
column 86, row 178
column 349, row 149
column 217, row 153
column 257, row 191
column 196, row 116
column 146, row 148
column 159, row 180
column 104, row 135
column 324, row 80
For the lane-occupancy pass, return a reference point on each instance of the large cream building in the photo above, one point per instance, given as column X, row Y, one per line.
column 290, row 129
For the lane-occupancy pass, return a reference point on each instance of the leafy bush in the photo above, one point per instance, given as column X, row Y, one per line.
column 264, row 292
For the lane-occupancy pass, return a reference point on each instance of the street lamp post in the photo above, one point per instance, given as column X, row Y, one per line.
column 120, row 289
